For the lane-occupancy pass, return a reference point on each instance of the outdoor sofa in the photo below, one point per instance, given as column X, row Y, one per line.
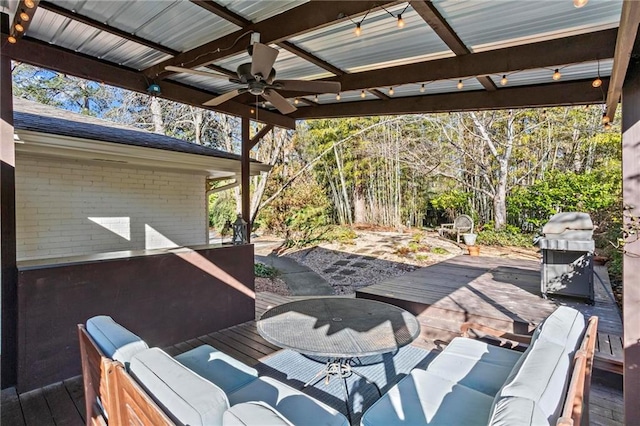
column 126, row 382
column 476, row 383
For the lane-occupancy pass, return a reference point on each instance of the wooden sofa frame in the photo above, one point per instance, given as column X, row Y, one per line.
column 576, row 403
column 122, row 398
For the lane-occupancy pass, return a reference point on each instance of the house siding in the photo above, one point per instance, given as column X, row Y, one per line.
column 68, row 207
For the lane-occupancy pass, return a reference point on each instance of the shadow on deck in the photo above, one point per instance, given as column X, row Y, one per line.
column 499, row 290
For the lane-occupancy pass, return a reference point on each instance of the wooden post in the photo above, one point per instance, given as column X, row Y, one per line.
column 9, row 272
column 244, row 178
column 631, row 259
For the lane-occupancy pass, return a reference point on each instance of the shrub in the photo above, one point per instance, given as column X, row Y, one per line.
column 422, row 257
column 510, row 236
column 440, row 250
column 264, row 271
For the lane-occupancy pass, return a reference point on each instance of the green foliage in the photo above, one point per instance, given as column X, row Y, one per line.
column 417, row 237
column 451, row 201
column 222, row 208
column 440, row 250
column 510, row 236
column 590, row 192
column 264, row 271
column 422, row 257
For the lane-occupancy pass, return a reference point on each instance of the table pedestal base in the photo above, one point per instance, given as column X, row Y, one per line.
column 342, row 368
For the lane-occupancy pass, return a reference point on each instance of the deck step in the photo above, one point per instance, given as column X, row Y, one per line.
column 438, row 330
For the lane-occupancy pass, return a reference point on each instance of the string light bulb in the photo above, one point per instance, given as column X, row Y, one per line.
column 362, row 94
column 460, row 84
column 253, row 111
column 315, row 98
column 18, row 27
column 579, row 3
column 11, row 39
column 391, row 91
column 358, row 30
column 422, row 88
column 597, row 82
column 605, row 118
column 400, row 21
column 24, row 16
column 29, row 4
column 556, row 75
column 607, row 126
column 338, row 97
column 296, row 101
column 503, row 80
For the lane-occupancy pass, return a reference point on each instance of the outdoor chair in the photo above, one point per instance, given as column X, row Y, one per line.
column 462, row 224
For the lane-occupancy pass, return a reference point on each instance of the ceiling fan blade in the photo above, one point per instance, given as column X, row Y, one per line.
column 195, row 72
column 278, row 101
column 223, row 98
column 309, row 86
column 263, row 58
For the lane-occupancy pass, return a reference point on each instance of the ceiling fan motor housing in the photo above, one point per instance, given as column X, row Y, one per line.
column 245, row 76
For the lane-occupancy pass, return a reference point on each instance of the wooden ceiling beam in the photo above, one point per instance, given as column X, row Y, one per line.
column 19, row 22
column 627, row 32
column 299, row 20
column 441, row 27
column 65, row 61
column 543, row 54
column 545, row 95
column 223, row 12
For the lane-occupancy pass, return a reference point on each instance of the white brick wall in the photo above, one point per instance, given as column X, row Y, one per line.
column 67, row 207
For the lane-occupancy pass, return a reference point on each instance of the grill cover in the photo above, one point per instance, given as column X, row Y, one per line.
column 567, row 255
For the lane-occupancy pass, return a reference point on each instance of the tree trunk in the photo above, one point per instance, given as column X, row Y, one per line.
column 156, row 115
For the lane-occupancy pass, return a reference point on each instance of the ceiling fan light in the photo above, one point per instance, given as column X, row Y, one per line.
column 358, row 30
column 400, row 21
column 29, row 4
column 597, row 82
column 579, row 3
column 460, row 84
column 503, row 80
column 556, row 75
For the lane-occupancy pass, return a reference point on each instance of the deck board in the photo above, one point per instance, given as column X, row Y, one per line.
column 10, row 410
column 63, row 409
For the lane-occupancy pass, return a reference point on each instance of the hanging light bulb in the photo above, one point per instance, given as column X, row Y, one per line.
column 579, row 3
column 358, row 30
column 597, row 82
column 391, row 91
column 460, row 84
column 422, row 89
column 252, row 111
column 400, row 21
column 315, row 98
column 607, row 126
column 18, row 27
column 264, row 104
column 363, row 95
column 296, row 101
column 24, row 16
column 30, row 4
column 605, row 118
column 11, row 39
column 556, row 75
column 503, row 80
column 338, row 97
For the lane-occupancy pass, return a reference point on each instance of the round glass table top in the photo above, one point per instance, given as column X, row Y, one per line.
column 338, row 327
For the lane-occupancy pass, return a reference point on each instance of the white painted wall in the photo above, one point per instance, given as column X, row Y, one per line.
column 67, row 207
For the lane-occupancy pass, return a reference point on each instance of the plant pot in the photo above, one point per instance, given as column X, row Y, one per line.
column 474, row 250
column 470, row 239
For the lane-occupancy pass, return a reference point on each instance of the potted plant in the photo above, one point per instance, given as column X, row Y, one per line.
column 470, row 242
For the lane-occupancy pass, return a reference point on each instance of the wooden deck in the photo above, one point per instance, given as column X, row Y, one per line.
column 502, row 293
column 62, row 403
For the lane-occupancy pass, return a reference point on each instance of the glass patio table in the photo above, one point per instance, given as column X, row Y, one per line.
column 340, row 330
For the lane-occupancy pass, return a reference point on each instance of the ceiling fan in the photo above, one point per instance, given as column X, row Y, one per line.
column 258, row 77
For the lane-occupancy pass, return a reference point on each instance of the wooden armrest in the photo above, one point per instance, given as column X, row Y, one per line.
column 447, row 225
column 512, row 337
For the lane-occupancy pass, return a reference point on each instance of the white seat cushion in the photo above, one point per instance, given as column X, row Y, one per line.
column 253, row 414
column 186, row 397
column 217, row 367
column 115, row 341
